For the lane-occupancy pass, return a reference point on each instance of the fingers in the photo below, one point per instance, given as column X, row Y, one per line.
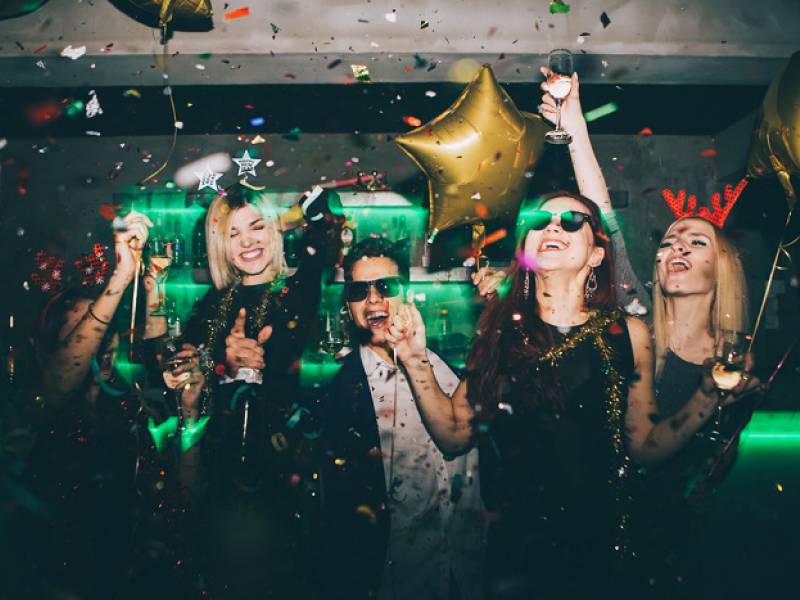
column 238, row 324
column 573, row 92
column 264, row 334
column 749, row 361
column 242, row 343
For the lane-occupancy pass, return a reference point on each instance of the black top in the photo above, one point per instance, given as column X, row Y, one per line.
column 547, row 473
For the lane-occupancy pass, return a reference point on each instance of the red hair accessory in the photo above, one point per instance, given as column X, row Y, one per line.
column 718, row 213
column 48, row 275
column 94, row 266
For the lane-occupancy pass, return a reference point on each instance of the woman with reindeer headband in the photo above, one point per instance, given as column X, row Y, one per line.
column 699, row 303
column 252, row 327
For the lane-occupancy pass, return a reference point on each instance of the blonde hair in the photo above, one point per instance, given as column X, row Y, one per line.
column 729, row 307
column 218, row 228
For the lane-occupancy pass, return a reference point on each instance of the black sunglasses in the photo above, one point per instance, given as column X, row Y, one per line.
column 570, row 220
column 387, row 287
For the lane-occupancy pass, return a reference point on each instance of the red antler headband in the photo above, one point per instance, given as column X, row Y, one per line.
column 718, row 213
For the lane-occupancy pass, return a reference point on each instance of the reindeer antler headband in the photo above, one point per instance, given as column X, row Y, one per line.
column 718, row 213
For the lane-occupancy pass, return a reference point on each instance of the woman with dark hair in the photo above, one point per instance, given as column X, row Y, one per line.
column 559, row 397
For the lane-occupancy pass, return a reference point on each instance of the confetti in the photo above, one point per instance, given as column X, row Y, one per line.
column 430, row 94
column 779, row 487
column 258, row 140
column 646, row 131
column 40, row 64
column 237, row 14
column 391, row 17
column 558, row 7
column 293, row 135
column 131, row 93
column 424, row 24
column 605, row 20
column 708, row 153
column 361, row 73
column 93, row 106
column 412, row 121
column 600, row 111
column 275, row 29
column 257, row 121
column 334, row 63
column 40, row 48
column 73, row 53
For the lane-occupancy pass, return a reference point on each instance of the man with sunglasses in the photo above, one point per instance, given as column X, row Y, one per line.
column 401, row 520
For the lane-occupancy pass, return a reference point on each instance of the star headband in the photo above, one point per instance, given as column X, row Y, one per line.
column 718, row 213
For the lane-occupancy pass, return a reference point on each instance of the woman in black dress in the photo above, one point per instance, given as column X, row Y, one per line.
column 250, row 476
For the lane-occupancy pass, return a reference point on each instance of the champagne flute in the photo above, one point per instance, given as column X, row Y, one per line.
column 160, row 261
column 728, row 369
column 559, row 85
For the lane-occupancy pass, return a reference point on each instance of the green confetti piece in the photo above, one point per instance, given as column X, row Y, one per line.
column 600, row 112
column 559, row 7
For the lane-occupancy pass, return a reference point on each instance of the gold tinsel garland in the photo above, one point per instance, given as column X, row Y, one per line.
column 220, row 322
column 615, row 413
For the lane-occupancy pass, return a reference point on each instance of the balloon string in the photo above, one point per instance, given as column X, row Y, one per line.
column 778, row 252
column 174, row 113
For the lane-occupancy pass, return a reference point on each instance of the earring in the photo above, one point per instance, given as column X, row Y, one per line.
column 591, row 285
column 526, row 289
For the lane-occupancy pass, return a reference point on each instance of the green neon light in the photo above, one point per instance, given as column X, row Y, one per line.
column 164, row 433
column 600, row 112
column 772, row 431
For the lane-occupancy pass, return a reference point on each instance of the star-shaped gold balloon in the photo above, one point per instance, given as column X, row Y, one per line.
column 184, row 9
column 476, row 155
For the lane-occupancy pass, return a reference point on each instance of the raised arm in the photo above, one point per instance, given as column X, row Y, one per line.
column 68, row 366
column 448, row 419
column 592, row 184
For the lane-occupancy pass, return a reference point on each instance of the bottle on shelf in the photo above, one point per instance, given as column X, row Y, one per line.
column 11, row 354
column 444, row 327
column 174, row 326
column 200, row 273
column 179, row 257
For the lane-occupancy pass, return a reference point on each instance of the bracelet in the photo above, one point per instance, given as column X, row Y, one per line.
column 95, row 317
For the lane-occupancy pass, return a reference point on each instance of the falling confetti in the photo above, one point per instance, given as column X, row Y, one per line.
column 600, row 111
column 605, row 20
column 430, row 94
column 708, row 153
column 361, row 73
column 424, row 24
column 412, row 121
column 275, row 29
column 93, row 106
column 391, row 17
column 558, row 7
column 237, row 14
column 646, row 131
column 73, row 53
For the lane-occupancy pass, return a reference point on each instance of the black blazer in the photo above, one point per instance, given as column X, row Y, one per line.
column 354, row 501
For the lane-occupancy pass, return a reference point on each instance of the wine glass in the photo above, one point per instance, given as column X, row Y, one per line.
column 160, row 250
column 728, row 369
column 559, row 85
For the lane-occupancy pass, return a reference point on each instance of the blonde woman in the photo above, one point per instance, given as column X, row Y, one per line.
column 254, row 324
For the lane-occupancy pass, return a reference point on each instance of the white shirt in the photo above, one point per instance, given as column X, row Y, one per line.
column 433, row 533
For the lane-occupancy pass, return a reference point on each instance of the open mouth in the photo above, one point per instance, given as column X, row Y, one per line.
column 552, row 245
column 377, row 319
column 252, row 255
column 678, row 264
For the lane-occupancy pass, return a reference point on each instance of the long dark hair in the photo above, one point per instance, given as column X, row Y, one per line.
column 512, row 335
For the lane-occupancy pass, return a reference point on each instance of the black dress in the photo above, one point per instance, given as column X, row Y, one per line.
column 676, row 497
column 550, row 476
column 257, row 505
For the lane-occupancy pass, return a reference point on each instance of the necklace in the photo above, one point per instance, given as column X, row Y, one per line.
column 615, row 415
column 221, row 322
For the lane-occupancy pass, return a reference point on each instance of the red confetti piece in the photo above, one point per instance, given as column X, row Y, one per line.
column 708, row 153
column 615, row 329
column 290, row 76
column 108, row 211
column 495, row 236
column 40, row 48
column 646, row 131
column 412, row 121
column 237, row 14
column 219, row 370
column 408, row 69
column 481, row 211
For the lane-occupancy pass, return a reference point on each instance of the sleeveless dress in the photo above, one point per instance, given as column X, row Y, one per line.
column 551, row 477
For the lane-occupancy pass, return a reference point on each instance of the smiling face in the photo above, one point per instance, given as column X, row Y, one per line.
column 553, row 249
column 373, row 314
column 250, row 243
column 686, row 258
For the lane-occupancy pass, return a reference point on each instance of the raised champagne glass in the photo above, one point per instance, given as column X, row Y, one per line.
column 559, row 85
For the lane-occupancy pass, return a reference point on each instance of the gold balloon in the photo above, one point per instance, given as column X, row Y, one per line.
column 776, row 144
column 476, row 155
column 183, row 9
